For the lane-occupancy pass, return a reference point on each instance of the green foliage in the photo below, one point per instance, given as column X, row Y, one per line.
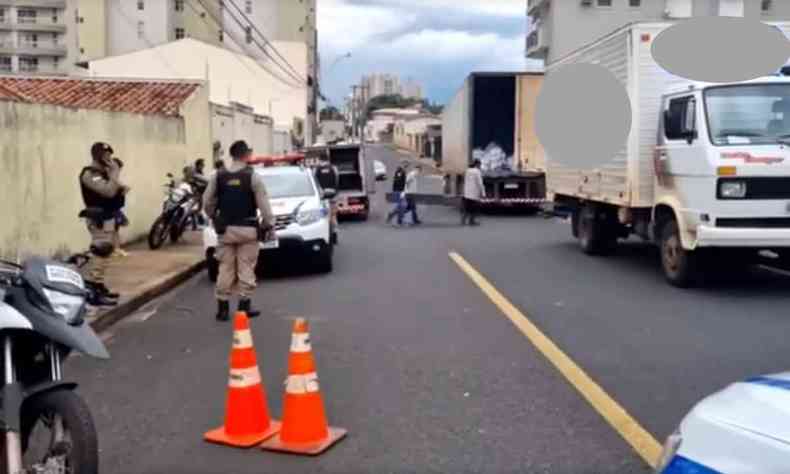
column 396, row 101
column 330, row 113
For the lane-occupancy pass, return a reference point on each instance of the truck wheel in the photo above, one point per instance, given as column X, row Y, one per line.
column 595, row 235
column 575, row 223
column 680, row 265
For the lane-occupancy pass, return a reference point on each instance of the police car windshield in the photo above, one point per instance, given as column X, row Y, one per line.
column 288, row 185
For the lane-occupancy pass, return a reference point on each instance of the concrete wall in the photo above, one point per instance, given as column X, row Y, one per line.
column 92, row 29
column 42, row 151
column 239, row 122
column 197, row 123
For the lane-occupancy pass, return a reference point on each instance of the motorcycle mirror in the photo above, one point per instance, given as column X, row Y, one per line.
column 169, row 175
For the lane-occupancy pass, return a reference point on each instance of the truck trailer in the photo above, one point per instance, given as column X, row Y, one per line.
column 704, row 173
column 494, row 112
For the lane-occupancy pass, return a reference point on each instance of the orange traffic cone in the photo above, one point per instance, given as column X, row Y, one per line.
column 304, row 427
column 247, row 420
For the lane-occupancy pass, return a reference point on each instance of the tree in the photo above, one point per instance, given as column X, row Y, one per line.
column 330, row 113
column 396, row 101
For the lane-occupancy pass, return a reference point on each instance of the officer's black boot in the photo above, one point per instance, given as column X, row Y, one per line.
column 246, row 305
column 223, row 310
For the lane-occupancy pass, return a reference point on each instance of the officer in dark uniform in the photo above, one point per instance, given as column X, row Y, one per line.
column 232, row 200
column 104, row 195
column 328, row 177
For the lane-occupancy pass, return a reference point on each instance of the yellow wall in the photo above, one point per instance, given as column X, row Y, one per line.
column 92, row 32
column 42, row 150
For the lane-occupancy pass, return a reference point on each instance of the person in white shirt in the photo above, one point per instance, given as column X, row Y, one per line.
column 474, row 191
column 409, row 192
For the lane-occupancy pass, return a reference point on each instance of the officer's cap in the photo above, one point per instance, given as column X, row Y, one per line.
column 99, row 149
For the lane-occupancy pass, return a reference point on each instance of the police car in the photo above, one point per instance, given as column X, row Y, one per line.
column 743, row 429
column 303, row 224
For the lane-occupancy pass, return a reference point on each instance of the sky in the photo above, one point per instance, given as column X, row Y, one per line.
column 436, row 42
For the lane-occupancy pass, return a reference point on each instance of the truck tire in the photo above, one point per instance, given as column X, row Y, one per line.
column 596, row 235
column 681, row 267
column 324, row 262
column 575, row 223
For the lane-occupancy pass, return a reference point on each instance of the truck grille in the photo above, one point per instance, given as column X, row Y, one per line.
column 755, row 223
column 283, row 221
column 763, row 187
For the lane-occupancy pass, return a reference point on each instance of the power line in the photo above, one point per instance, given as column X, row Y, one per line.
column 265, row 40
column 296, row 84
column 202, row 16
column 263, row 48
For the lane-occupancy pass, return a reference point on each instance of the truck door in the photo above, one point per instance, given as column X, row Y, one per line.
column 681, row 155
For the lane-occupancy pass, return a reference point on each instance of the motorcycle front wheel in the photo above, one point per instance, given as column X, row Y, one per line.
column 158, row 233
column 58, row 435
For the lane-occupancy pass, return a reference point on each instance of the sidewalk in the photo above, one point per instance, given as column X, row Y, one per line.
column 146, row 274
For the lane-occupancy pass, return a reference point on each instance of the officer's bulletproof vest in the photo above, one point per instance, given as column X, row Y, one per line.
column 326, row 177
column 94, row 199
column 236, row 198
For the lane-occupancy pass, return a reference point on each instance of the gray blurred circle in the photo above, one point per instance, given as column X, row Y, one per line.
column 721, row 49
column 583, row 116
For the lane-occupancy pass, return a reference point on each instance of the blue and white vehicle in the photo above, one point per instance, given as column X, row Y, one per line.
column 743, row 429
column 303, row 222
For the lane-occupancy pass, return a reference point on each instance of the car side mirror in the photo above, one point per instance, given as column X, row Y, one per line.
column 329, row 193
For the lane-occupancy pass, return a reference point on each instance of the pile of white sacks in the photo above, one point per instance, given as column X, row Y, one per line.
column 493, row 159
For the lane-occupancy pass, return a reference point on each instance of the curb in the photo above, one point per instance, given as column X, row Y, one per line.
column 158, row 288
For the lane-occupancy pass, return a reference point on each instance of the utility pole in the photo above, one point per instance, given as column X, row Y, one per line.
column 311, row 40
column 355, row 111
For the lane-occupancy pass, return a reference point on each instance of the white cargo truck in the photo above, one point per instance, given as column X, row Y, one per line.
column 705, row 172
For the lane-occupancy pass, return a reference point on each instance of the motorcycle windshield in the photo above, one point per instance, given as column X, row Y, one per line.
column 79, row 337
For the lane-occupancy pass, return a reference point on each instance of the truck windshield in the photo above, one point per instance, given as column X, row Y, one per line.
column 748, row 114
column 288, row 185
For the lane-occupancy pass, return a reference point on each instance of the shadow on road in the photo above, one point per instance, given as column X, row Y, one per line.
column 738, row 281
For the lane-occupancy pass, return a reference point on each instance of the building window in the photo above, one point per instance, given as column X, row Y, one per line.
column 55, row 63
column 635, row 3
column 248, row 6
column 2, row 15
column 30, row 40
column 28, row 64
column 54, row 15
column 179, row 5
column 221, row 36
column 26, row 15
column 140, row 4
column 248, row 34
column 604, row 3
column 180, row 33
column 140, row 29
column 767, row 5
column 5, row 63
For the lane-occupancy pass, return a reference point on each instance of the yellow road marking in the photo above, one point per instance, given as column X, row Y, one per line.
column 642, row 441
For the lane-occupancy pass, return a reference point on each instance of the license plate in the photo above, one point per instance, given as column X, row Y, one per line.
column 511, row 186
column 271, row 244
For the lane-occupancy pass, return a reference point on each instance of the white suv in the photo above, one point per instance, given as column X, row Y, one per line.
column 303, row 221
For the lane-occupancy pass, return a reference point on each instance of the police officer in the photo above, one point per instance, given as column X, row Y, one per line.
column 103, row 194
column 232, row 199
column 328, row 177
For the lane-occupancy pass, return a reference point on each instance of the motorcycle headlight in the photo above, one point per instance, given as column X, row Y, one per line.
column 64, row 304
column 732, row 189
column 309, row 217
column 671, row 448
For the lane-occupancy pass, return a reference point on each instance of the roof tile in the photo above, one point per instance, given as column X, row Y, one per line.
column 154, row 98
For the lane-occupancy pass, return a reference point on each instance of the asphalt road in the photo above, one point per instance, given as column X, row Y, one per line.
column 424, row 371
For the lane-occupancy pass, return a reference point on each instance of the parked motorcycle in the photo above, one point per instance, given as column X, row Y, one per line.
column 47, row 427
column 180, row 208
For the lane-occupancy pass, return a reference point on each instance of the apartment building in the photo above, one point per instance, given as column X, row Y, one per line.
column 558, row 27
column 36, row 37
column 390, row 84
